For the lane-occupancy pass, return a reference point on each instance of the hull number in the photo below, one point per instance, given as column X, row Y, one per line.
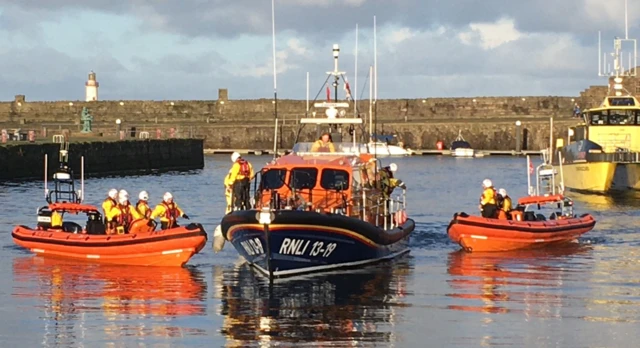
column 252, row 246
column 292, row 246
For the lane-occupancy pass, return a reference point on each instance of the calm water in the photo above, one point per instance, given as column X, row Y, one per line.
column 584, row 296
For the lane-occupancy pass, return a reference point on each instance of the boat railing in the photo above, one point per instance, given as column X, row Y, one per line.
column 370, row 205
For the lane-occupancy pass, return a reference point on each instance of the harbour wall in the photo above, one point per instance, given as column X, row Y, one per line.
column 26, row 160
column 222, row 110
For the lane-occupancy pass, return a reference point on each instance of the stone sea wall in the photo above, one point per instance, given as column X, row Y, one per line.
column 26, row 160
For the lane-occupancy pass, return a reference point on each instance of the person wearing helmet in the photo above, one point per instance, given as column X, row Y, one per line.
column 123, row 214
column 324, row 144
column 143, row 204
column 238, row 183
column 387, row 183
column 505, row 203
column 488, row 200
column 168, row 211
column 109, row 203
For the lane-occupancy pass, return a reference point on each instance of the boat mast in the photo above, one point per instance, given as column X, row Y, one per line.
column 275, row 86
column 355, row 82
column 375, row 84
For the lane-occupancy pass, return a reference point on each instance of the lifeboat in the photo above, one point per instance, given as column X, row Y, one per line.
column 525, row 229
column 322, row 207
column 141, row 246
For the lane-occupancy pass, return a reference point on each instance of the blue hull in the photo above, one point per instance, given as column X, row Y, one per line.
column 295, row 248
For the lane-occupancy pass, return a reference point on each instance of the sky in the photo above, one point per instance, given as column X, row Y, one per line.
column 188, row 49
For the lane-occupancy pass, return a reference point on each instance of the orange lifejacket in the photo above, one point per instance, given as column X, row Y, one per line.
column 125, row 217
column 170, row 211
column 244, row 168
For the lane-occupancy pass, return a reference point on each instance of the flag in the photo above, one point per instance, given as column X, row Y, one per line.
column 530, row 167
column 347, row 90
column 328, row 94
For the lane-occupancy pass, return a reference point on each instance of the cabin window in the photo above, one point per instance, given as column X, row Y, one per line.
column 598, row 118
column 334, row 179
column 273, row 179
column 303, row 178
column 621, row 101
column 622, row 117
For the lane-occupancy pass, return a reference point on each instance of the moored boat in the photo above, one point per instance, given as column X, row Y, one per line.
column 142, row 245
column 526, row 229
column 318, row 211
column 461, row 147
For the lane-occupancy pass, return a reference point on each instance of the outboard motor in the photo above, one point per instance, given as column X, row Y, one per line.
column 44, row 218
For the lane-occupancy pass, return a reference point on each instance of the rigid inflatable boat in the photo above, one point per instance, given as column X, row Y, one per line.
column 526, row 229
column 142, row 246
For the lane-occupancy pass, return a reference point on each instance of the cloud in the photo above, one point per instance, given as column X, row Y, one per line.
column 187, row 50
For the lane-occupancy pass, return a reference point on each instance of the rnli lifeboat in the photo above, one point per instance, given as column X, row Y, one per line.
column 141, row 246
column 321, row 207
column 525, row 229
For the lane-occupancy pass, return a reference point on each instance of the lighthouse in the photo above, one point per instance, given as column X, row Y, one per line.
column 91, row 87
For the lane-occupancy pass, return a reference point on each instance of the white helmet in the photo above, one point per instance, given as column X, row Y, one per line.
column 393, row 167
column 123, row 199
column 487, row 183
column 143, row 196
column 167, row 197
column 235, row 156
column 502, row 192
column 123, row 194
column 113, row 193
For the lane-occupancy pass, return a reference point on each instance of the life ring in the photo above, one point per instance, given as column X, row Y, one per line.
column 400, row 217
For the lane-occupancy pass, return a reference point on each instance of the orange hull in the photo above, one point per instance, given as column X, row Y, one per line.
column 173, row 247
column 475, row 233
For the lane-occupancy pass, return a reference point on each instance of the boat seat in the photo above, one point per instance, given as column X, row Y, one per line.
column 96, row 227
column 71, row 227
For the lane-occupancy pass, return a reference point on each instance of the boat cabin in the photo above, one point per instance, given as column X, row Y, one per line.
column 341, row 182
column 614, row 125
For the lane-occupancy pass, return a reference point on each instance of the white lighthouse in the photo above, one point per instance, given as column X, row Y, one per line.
column 91, row 87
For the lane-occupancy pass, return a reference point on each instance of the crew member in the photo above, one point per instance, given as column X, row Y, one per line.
column 507, row 204
column 324, row 144
column 168, row 212
column 387, row 182
column 488, row 200
column 108, row 204
column 123, row 214
column 143, row 206
column 238, row 181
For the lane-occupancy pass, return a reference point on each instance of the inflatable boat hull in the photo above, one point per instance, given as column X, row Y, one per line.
column 302, row 242
column 475, row 233
column 173, row 247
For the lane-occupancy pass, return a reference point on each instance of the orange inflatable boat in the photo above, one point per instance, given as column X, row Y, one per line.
column 526, row 230
column 142, row 246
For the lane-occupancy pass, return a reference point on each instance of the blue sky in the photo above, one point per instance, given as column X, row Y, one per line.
column 172, row 50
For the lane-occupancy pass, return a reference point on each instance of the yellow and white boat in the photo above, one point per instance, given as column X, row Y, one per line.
column 603, row 151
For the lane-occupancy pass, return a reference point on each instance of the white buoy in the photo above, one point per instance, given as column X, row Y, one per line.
column 218, row 239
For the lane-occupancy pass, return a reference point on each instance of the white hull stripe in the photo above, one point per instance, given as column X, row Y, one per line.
column 93, row 256
column 478, row 237
column 327, row 267
column 175, row 251
column 38, row 250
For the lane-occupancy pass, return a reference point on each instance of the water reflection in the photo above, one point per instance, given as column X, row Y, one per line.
column 601, row 201
column 120, row 301
column 511, row 281
column 354, row 307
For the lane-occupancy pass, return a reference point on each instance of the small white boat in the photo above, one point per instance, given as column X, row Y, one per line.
column 461, row 148
column 383, row 149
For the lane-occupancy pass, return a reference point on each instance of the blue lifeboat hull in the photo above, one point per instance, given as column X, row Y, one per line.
column 302, row 242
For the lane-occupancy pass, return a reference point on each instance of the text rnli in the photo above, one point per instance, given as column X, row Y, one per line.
column 304, row 247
